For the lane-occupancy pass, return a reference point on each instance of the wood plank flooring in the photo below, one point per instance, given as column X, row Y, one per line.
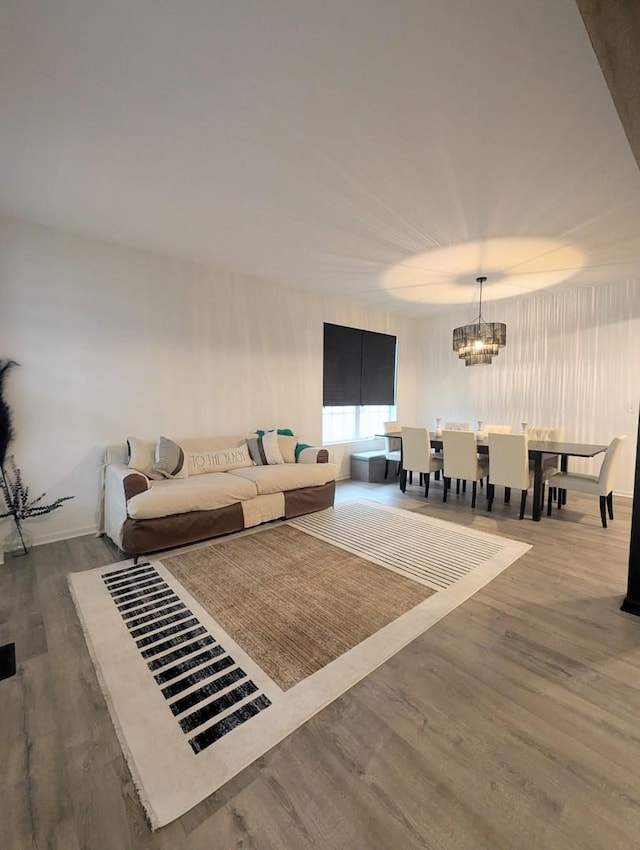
column 513, row 723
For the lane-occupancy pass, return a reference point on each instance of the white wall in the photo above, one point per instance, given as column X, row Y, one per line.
column 572, row 360
column 115, row 342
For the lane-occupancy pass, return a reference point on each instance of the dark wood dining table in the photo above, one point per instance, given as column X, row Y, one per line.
column 538, row 450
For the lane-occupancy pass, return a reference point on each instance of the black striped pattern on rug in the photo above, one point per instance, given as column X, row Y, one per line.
column 205, row 689
column 433, row 551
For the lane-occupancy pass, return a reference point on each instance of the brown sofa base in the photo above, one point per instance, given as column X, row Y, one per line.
column 309, row 499
column 143, row 536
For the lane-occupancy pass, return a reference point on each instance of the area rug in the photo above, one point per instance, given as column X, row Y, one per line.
column 209, row 657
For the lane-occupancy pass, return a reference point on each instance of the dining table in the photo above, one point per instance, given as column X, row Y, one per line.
column 538, row 451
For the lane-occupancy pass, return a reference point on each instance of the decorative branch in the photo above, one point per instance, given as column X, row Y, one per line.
column 18, row 503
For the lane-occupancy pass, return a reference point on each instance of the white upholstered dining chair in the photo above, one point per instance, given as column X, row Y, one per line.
column 461, row 461
column 597, row 485
column 418, row 457
column 509, row 468
column 489, row 428
column 392, row 446
column 544, row 432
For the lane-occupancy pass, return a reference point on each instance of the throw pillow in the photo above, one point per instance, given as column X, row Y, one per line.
column 142, row 457
column 300, row 448
column 271, row 448
column 284, row 432
column 170, row 459
column 287, row 446
column 218, row 461
column 256, row 450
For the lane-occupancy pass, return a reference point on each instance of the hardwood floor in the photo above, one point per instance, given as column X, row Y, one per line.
column 513, row 723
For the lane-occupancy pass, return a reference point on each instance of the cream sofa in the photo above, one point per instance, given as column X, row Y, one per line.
column 143, row 515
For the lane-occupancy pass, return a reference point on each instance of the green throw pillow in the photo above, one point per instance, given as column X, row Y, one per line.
column 300, row 447
column 284, row 432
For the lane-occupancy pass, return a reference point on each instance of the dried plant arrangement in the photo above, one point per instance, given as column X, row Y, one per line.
column 18, row 502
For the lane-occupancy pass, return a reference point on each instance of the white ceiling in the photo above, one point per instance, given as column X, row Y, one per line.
column 385, row 150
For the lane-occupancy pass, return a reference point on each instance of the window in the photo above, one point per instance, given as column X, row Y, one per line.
column 358, row 383
column 341, row 424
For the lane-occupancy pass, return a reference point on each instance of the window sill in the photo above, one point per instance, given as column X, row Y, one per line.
column 348, row 442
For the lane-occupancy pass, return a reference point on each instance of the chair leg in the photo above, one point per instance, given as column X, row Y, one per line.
column 603, row 510
column 474, row 489
column 447, row 484
column 457, row 486
column 437, row 475
column 427, row 479
column 403, row 480
column 559, row 502
column 464, row 485
column 386, row 468
column 507, row 495
column 523, row 503
column 410, row 477
column 550, row 500
column 610, row 504
column 490, row 491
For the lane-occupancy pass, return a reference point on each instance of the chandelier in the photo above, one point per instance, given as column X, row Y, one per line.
column 480, row 342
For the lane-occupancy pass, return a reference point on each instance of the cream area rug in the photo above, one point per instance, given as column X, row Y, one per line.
column 209, row 657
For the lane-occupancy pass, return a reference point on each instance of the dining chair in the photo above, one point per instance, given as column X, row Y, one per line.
column 597, row 485
column 509, row 468
column 461, row 461
column 392, row 447
column 418, row 457
column 544, row 432
column 457, row 426
column 488, row 428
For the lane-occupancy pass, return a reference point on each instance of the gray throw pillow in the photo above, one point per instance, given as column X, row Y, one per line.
column 170, row 460
column 256, row 451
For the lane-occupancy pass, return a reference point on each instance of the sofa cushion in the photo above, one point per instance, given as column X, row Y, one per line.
column 196, row 493
column 287, row 476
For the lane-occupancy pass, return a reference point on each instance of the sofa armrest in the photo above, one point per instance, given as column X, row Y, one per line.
column 133, row 483
column 120, row 484
column 313, row 454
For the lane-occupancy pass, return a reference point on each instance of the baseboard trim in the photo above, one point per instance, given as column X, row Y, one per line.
column 57, row 536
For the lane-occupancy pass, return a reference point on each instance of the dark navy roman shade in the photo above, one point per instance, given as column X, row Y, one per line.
column 359, row 367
